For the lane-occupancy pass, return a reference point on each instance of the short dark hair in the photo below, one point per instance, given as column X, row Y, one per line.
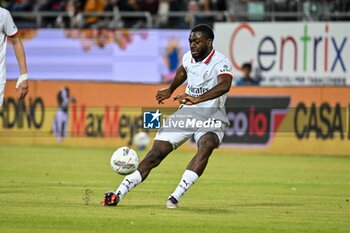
column 247, row 65
column 205, row 29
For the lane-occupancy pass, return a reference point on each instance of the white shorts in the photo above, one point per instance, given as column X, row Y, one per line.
column 176, row 136
column 176, row 139
column 2, row 90
column 60, row 123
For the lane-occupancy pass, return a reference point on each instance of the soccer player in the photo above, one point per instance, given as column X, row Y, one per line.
column 9, row 30
column 209, row 76
column 60, row 121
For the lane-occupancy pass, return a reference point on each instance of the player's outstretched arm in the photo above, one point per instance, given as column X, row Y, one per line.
column 179, row 79
column 221, row 88
column 22, row 83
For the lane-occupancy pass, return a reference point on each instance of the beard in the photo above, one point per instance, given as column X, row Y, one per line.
column 199, row 55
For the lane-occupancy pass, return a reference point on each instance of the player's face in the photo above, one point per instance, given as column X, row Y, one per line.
column 246, row 71
column 200, row 46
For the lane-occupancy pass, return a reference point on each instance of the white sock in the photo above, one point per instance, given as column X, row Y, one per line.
column 188, row 179
column 129, row 182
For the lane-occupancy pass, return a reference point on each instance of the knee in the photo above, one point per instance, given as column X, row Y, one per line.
column 208, row 143
column 155, row 156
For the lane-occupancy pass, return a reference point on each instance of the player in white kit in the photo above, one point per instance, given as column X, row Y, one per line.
column 9, row 30
column 209, row 76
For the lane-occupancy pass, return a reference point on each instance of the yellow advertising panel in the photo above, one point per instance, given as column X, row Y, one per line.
column 283, row 120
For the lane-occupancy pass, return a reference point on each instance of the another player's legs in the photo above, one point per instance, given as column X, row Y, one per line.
column 206, row 144
column 2, row 90
column 159, row 151
column 59, row 124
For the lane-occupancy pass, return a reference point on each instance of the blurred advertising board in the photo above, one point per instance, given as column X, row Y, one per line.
column 286, row 120
column 147, row 56
column 302, row 53
column 282, row 54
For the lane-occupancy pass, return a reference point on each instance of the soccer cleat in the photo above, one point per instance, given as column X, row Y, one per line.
column 171, row 203
column 111, row 199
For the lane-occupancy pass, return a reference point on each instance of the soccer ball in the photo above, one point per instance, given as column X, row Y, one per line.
column 141, row 140
column 124, row 160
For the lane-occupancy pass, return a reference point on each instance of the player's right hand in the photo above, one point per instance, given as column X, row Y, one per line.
column 163, row 94
column 22, row 88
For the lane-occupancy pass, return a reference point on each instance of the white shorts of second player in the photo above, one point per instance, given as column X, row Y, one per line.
column 2, row 90
column 60, row 123
column 176, row 135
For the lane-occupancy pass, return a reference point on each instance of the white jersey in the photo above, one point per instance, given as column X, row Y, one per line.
column 202, row 76
column 7, row 29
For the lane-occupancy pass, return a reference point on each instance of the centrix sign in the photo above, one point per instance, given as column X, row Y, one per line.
column 289, row 53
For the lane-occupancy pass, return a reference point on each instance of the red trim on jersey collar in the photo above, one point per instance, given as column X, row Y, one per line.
column 207, row 59
column 14, row 34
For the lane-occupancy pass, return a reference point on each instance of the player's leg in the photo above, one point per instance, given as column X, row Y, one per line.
column 65, row 125
column 166, row 140
column 59, row 120
column 206, row 144
column 154, row 157
column 2, row 91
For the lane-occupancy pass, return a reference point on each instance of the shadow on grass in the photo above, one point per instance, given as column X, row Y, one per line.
column 229, row 209
column 193, row 209
column 266, row 204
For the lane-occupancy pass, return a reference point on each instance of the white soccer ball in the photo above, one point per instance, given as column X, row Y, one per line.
column 141, row 140
column 124, row 160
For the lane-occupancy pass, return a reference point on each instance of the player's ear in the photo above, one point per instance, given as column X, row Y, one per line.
column 209, row 42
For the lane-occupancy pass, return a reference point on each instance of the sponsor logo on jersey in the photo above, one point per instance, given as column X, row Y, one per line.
column 196, row 91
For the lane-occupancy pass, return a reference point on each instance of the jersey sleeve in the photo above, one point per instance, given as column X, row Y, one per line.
column 223, row 67
column 186, row 59
column 10, row 28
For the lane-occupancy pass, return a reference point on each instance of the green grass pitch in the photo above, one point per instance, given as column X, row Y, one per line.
column 58, row 189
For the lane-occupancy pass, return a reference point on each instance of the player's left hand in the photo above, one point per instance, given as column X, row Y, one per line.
column 22, row 89
column 186, row 99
